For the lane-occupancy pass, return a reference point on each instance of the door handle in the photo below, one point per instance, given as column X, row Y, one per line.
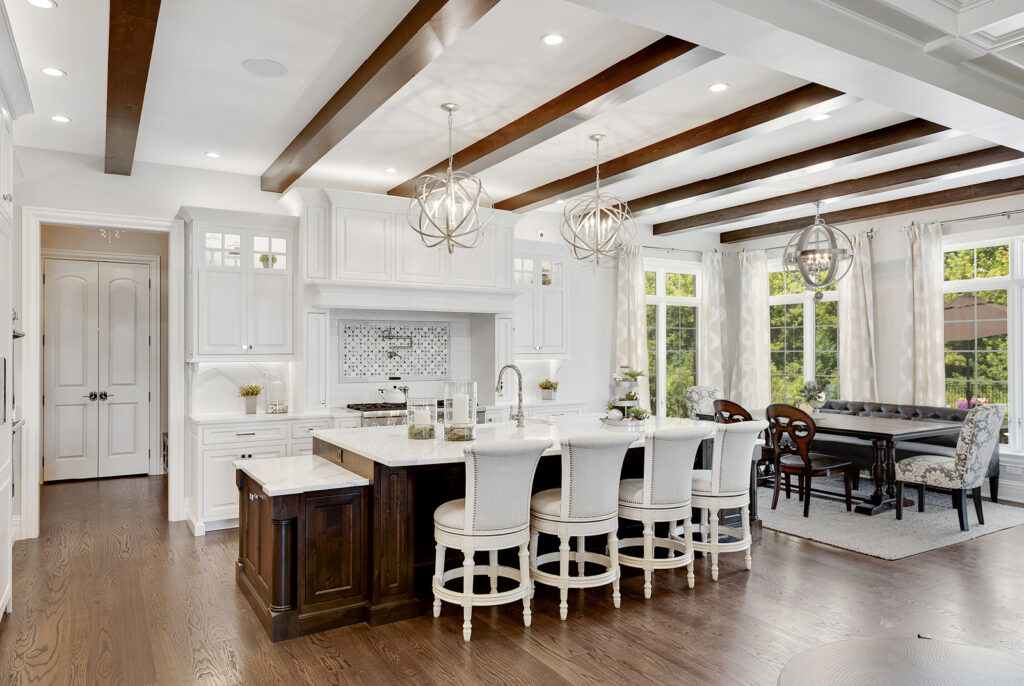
column 104, row 395
column 247, row 433
column 92, row 395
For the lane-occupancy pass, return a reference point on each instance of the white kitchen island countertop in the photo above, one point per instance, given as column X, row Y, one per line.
column 391, row 446
column 298, row 474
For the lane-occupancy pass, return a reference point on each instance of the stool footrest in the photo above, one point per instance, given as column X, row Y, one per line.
column 678, row 546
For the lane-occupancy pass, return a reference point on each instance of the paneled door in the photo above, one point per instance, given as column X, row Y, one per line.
column 96, row 369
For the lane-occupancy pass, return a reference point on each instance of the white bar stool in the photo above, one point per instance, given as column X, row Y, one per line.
column 585, row 505
column 494, row 515
column 727, row 486
column 662, row 495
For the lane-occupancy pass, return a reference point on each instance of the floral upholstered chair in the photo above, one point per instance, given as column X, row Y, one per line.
column 965, row 471
column 701, row 400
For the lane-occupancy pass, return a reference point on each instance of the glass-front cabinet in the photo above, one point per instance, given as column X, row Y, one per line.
column 541, row 326
column 243, row 300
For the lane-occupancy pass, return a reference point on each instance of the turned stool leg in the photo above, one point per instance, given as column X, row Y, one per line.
column 438, row 577
column 524, row 581
column 534, row 542
column 580, row 547
column 648, row 557
column 613, row 555
column 745, row 518
column 563, row 576
column 492, row 562
column 713, row 516
column 688, row 540
column 467, row 595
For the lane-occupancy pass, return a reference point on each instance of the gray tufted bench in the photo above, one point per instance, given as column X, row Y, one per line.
column 862, row 452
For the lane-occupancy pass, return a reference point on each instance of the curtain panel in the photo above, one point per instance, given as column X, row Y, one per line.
column 923, row 369
column 751, row 385
column 631, row 318
column 712, row 321
column 857, row 376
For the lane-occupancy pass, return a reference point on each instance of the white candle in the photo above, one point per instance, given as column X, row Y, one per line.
column 460, row 408
column 276, row 392
column 421, row 417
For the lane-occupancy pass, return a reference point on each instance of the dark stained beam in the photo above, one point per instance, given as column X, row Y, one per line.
column 129, row 48
column 429, row 28
column 654, row 65
column 878, row 142
column 927, row 201
column 719, row 130
column 875, row 182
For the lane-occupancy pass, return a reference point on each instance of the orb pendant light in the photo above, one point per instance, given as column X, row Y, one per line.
column 820, row 254
column 597, row 225
column 450, row 208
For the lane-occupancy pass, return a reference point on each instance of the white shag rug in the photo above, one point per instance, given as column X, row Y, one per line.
column 881, row 535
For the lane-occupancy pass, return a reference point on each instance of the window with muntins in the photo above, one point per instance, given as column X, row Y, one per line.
column 672, row 334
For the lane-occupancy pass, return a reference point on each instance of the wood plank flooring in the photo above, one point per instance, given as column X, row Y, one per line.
column 112, row 593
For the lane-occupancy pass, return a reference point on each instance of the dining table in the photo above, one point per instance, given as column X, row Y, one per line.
column 883, row 433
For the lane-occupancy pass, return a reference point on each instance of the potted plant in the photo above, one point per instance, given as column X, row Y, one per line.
column 250, row 393
column 633, row 374
column 268, row 260
column 547, row 389
column 814, row 394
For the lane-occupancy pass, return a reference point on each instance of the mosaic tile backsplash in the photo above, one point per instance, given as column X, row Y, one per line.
column 365, row 350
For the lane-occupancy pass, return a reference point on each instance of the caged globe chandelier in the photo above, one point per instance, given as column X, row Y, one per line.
column 597, row 225
column 820, row 254
column 450, row 208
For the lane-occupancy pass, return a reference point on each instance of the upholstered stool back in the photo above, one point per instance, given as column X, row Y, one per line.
column 668, row 464
column 730, row 460
column 591, row 467
column 499, row 481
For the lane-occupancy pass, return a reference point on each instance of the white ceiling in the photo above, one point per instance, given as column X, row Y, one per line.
column 199, row 98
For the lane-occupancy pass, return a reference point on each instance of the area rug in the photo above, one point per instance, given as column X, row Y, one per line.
column 881, row 535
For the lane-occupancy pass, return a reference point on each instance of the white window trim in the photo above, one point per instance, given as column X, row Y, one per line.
column 660, row 267
column 1014, row 285
column 810, row 317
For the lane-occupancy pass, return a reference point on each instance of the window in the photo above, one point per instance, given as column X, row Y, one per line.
column 976, row 320
column 672, row 318
column 804, row 336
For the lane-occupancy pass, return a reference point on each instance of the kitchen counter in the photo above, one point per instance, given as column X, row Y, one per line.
column 233, row 417
column 390, row 446
column 298, row 474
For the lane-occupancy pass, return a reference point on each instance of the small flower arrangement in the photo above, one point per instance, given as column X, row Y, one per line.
column 814, row 391
column 250, row 391
column 548, row 385
column 965, row 404
column 637, row 413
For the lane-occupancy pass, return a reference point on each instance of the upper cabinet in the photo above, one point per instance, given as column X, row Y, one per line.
column 6, row 165
column 364, row 245
column 541, row 321
column 242, row 269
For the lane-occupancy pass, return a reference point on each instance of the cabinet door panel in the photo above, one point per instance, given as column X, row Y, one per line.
column 315, row 224
column 270, row 308
column 552, row 319
column 416, row 263
column 220, row 492
column 476, row 266
column 334, row 540
column 221, row 313
column 363, row 245
column 316, row 360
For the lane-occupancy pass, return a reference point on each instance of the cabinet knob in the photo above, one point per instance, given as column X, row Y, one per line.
column 8, row 197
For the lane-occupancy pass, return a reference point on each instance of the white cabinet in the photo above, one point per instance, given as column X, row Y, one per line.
column 220, row 495
column 316, row 343
column 416, row 263
column 363, row 245
column 314, row 228
column 241, row 291
column 6, row 165
column 541, row 313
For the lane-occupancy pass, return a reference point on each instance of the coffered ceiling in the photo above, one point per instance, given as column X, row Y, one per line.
column 853, row 103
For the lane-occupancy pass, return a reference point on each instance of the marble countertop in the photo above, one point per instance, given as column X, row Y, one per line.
column 232, row 417
column 298, row 474
column 391, row 446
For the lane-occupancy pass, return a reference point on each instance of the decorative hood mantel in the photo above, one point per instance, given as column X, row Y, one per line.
column 359, row 295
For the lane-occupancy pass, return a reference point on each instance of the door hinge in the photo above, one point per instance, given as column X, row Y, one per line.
column 44, row 339
column 151, row 340
column 150, row 394
column 44, row 399
column 44, row 279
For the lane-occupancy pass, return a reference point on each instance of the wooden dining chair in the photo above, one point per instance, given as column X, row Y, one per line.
column 792, row 431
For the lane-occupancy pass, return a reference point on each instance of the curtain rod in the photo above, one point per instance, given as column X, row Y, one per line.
column 658, row 247
column 1007, row 215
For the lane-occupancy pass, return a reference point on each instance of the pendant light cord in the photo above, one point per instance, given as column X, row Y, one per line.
column 597, row 166
column 451, row 143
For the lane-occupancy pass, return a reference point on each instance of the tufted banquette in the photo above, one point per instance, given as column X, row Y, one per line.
column 862, row 452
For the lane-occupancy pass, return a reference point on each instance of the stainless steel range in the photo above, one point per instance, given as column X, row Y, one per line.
column 379, row 414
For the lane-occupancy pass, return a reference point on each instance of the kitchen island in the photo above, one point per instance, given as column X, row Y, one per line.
column 411, row 478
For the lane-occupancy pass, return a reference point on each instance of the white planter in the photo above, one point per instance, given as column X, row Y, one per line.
column 250, row 404
column 547, row 393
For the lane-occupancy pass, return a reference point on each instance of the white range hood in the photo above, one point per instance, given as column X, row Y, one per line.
column 354, row 295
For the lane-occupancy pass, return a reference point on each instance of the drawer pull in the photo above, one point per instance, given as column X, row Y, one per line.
column 247, row 433
column 254, row 496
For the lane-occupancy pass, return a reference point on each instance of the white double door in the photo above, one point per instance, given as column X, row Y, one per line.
column 96, row 369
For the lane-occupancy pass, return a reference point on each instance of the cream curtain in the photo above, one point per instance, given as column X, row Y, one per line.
column 631, row 318
column 750, row 374
column 712, row 320
column 923, row 368
column 857, row 376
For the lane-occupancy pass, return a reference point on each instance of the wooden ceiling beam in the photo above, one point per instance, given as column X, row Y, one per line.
column 654, row 65
column 856, row 148
column 875, row 182
column 743, row 123
column 927, row 201
column 429, row 28
column 129, row 49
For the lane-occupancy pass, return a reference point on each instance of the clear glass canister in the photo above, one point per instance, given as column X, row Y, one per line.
column 459, row 410
column 421, row 416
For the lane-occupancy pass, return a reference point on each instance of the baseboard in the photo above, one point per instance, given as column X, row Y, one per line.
column 16, row 528
column 1009, row 491
column 221, row 524
column 192, row 518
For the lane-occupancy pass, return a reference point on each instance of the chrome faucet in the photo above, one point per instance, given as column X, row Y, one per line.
column 518, row 414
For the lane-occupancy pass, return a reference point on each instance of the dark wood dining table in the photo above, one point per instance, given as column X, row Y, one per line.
column 883, row 432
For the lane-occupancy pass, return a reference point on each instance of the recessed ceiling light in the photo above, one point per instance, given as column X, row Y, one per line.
column 43, row 4
column 60, row 119
column 820, row 117
column 718, row 87
column 265, row 67
column 553, row 39
column 560, row 202
column 391, row 170
column 212, row 155
column 53, row 71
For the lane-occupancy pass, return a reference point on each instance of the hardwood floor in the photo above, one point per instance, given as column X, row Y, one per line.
column 112, row 593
